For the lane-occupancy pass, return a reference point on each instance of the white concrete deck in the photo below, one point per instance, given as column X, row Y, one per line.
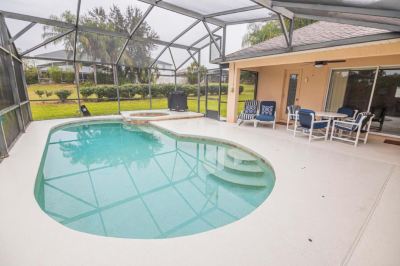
column 332, row 205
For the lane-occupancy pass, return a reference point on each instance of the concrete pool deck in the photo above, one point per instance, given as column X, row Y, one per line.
column 332, row 204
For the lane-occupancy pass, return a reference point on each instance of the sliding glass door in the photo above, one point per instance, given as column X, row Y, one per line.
column 350, row 88
column 386, row 102
column 357, row 89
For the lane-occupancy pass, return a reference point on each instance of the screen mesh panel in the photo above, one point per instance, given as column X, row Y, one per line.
column 98, row 47
column 25, row 113
column 20, row 83
column 211, row 6
column 10, row 126
column 166, row 25
column 40, row 8
column 6, row 95
column 253, row 14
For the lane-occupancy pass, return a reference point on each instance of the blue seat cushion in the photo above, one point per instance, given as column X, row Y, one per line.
column 243, row 116
column 265, row 117
column 320, row 125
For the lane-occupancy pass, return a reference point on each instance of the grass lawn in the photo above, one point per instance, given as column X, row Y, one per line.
column 54, row 109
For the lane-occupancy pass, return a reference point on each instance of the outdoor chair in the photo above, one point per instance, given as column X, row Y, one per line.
column 267, row 114
column 344, row 130
column 291, row 114
column 347, row 111
column 314, row 129
column 249, row 113
column 350, row 112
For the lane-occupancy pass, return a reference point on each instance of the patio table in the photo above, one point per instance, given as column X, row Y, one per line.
column 330, row 116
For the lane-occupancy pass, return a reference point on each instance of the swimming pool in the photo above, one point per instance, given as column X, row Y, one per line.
column 135, row 181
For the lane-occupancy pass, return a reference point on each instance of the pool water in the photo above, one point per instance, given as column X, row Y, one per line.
column 131, row 181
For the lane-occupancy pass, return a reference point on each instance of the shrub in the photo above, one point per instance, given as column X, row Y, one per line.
column 87, row 83
column 63, row 95
column 31, row 75
column 55, row 74
column 130, row 90
column 86, row 92
column 127, row 91
column 48, row 93
column 39, row 93
column 104, row 77
column 107, row 91
column 68, row 76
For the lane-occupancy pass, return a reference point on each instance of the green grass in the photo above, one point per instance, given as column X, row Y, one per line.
column 43, row 110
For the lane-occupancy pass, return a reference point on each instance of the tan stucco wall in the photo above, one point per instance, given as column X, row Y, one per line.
column 313, row 82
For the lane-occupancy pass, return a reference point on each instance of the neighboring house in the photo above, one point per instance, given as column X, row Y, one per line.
column 86, row 69
column 330, row 65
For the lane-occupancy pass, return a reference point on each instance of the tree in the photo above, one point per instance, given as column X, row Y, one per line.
column 257, row 32
column 104, row 48
column 191, row 72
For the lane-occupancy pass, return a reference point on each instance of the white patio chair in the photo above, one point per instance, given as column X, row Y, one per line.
column 345, row 130
column 249, row 113
column 291, row 115
column 314, row 129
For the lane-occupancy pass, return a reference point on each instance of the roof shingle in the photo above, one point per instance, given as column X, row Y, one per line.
column 317, row 32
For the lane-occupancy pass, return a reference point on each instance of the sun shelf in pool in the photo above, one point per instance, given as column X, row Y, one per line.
column 131, row 181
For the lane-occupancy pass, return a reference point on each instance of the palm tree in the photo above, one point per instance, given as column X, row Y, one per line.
column 106, row 49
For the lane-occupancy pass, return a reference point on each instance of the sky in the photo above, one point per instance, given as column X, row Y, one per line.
column 167, row 24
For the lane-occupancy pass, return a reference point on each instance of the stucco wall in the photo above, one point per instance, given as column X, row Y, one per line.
column 312, row 83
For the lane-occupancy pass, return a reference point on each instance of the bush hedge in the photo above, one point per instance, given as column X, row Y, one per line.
column 157, row 90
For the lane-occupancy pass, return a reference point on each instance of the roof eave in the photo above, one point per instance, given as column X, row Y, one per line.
column 329, row 44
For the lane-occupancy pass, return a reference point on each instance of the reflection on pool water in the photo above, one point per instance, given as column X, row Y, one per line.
column 119, row 180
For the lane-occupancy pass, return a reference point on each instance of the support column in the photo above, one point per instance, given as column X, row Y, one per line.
column 233, row 93
column 115, row 77
column 149, row 72
column 198, row 82
column 78, row 91
column 175, row 79
column 3, row 142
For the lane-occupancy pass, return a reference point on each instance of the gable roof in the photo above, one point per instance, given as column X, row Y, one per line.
column 317, row 35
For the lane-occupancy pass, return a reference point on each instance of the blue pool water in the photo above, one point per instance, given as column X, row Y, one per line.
column 119, row 180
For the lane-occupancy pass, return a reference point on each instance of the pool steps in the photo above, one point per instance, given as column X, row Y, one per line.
column 238, row 167
column 240, row 155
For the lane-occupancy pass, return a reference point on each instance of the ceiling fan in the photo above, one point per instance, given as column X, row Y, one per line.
column 322, row 63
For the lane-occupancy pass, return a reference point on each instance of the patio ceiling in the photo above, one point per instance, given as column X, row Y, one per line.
column 208, row 18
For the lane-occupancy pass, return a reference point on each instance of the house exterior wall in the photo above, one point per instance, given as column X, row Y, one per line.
column 313, row 82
